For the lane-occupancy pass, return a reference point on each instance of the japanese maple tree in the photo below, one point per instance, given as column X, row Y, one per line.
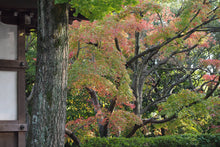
column 142, row 58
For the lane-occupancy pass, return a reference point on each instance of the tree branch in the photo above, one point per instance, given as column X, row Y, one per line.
column 94, row 97
column 151, row 120
column 31, row 94
column 179, row 35
column 161, row 21
column 103, row 129
column 95, row 44
column 212, row 90
column 210, row 29
column 72, row 136
column 112, row 105
column 177, row 82
column 117, row 44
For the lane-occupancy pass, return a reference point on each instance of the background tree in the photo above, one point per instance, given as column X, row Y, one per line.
column 134, row 46
column 160, row 50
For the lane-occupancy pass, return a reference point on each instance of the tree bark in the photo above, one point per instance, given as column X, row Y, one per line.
column 47, row 108
column 136, row 77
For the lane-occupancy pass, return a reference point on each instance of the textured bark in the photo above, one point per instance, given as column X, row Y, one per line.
column 47, row 108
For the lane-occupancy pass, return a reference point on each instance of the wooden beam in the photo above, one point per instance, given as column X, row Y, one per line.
column 13, row 127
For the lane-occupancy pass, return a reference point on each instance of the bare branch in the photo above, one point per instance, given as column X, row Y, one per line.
column 197, row 27
column 151, row 120
column 117, row 45
column 112, row 105
column 77, row 55
column 210, row 29
column 94, row 97
column 95, row 44
column 212, row 90
column 137, row 44
column 167, row 90
column 161, row 21
column 72, row 136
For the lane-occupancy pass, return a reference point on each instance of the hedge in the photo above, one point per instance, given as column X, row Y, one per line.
column 205, row 140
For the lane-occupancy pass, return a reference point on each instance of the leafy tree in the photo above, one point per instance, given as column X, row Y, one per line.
column 47, row 108
column 155, row 48
column 96, row 9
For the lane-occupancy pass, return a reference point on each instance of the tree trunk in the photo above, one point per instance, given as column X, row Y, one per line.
column 47, row 108
column 103, row 127
column 136, row 77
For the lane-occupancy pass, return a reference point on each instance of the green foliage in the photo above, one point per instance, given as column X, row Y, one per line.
column 165, row 141
column 123, row 122
column 98, row 62
column 31, row 61
column 177, row 101
column 96, row 9
column 198, row 118
column 78, row 106
column 60, row 1
column 101, row 66
column 103, row 71
column 83, row 128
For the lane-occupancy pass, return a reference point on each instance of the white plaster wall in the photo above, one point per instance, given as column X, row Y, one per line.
column 8, row 41
column 8, row 95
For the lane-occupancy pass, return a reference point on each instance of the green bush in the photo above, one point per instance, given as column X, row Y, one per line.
column 191, row 140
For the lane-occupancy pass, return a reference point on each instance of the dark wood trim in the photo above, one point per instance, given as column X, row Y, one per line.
column 21, row 96
column 12, row 63
column 13, row 16
column 21, row 81
column 13, row 127
column 9, row 16
column 18, row 4
column 21, row 139
column 21, row 38
column 21, row 72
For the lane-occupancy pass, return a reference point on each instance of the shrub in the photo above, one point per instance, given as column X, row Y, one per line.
column 205, row 140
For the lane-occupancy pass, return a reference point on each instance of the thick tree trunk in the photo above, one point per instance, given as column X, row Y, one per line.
column 47, row 108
